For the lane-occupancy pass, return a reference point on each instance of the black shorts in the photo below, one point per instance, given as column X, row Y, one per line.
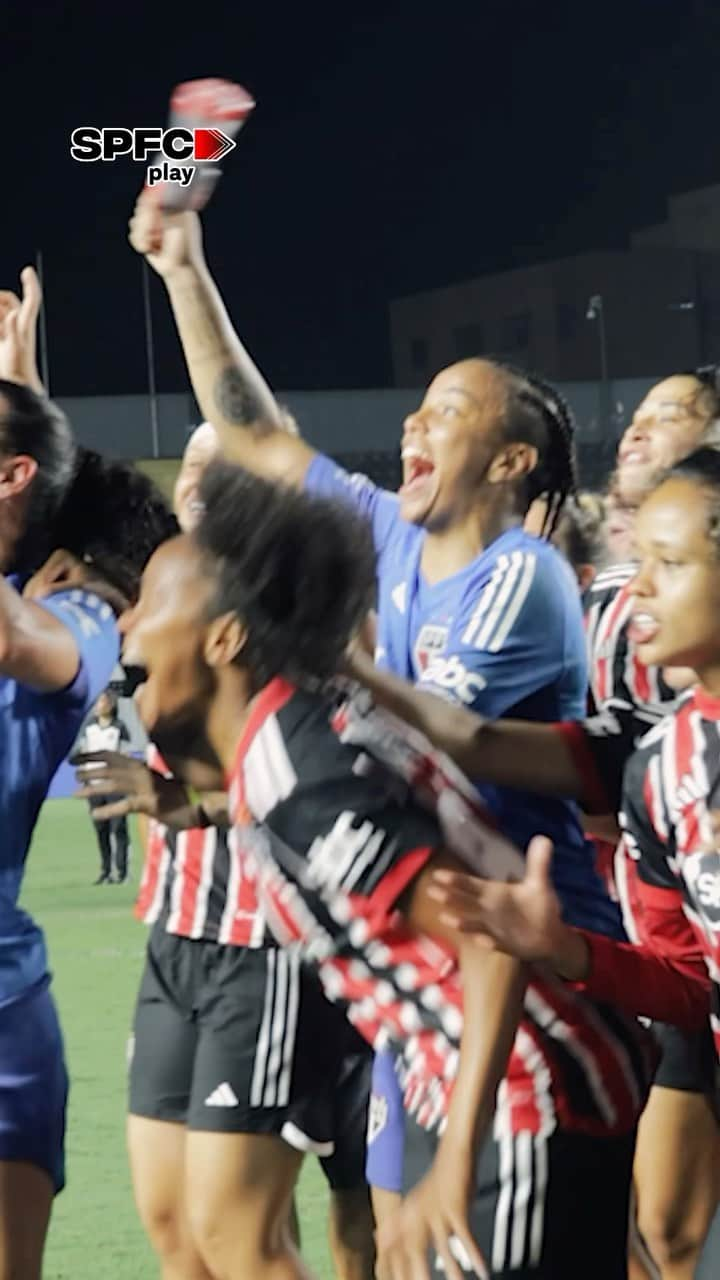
column 688, row 1061
column 233, row 1040
column 545, row 1208
column 345, row 1168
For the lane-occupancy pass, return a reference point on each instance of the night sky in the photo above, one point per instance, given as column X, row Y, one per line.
column 395, row 147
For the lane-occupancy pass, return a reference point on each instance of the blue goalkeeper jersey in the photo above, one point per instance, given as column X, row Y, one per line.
column 37, row 732
column 503, row 636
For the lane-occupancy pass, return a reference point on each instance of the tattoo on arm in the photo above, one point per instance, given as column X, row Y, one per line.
column 235, row 400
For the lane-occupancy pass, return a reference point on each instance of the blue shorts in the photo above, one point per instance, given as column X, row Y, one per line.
column 386, row 1127
column 33, row 1084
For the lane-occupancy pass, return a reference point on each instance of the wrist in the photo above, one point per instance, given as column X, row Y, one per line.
column 571, row 955
column 187, row 275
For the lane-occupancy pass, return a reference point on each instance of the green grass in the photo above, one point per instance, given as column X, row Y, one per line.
column 96, row 949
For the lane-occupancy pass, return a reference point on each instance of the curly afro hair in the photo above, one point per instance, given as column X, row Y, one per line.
column 298, row 570
column 113, row 518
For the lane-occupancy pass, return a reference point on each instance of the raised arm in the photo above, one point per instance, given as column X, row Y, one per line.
column 231, row 391
column 18, row 332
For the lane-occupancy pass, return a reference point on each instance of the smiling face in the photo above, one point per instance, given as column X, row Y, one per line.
column 449, row 442
column 676, row 609
column 667, row 425
column 200, row 450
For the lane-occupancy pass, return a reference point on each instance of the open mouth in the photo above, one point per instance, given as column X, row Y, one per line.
column 417, row 469
column 643, row 628
column 634, row 457
column 135, row 675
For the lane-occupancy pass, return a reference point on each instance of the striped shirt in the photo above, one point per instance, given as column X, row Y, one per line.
column 345, row 816
column 198, row 883
column 671, row 785
column 626, row 696
column 623, row 689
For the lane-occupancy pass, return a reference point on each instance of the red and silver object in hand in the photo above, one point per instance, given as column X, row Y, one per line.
column 217, row 109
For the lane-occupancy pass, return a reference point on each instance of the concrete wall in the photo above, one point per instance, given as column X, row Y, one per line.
column 338, row 422
column 334, row 421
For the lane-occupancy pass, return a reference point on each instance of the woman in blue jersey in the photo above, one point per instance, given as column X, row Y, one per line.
column 469, row 605
column 58, row 648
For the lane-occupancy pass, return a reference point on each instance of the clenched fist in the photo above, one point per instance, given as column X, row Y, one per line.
column 169, row 241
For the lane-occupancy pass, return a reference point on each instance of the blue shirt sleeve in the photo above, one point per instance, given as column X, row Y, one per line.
column 326, row 479
column 93, row 626
column 516, row 642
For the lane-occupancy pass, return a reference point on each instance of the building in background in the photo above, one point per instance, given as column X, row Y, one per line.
column 598, row 316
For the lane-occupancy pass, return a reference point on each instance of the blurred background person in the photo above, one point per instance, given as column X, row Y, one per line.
column 105, row 731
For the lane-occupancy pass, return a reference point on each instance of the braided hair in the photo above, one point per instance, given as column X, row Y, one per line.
column 538, row 415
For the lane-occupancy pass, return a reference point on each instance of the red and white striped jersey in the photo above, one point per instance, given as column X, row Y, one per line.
column 621, row 686
column 671, row 785
column 199, row 883
column 345, row 815
column 626, row 697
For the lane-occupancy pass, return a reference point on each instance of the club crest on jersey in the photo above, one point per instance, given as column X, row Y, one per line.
column 701, row 872
column 377, row 1117
column 429, row 645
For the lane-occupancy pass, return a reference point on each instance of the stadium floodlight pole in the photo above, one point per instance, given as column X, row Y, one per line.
column 596, row 312
column 42, row 330
column 150, row 353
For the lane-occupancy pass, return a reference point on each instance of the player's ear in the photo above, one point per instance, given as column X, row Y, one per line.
column 16, row 473
column 512, row 462
column 224, row 639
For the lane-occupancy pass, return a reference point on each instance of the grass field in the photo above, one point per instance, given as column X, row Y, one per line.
column 96, row 950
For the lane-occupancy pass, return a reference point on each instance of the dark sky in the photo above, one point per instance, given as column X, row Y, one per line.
column 395, row 146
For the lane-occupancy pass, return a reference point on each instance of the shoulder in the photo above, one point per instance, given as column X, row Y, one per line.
column 610, row 585
column 517, row 580
column 83, row 612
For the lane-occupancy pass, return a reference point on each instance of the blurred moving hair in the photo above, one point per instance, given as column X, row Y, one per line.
column 298, row 571
column 113, row 518
column 581, row 531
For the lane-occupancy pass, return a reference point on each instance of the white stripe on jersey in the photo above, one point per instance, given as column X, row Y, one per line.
column 514, row 606
column 204, row 882
column 269, row 773
column 173, row 919
column 621, row 864
column 158, row 899
column 550, row 1021
column 616, row 575
column 235, row 872
column 507, row 602
column 338, row 858
column 487, row 596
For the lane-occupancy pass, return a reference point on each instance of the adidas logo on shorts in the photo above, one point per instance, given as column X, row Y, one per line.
column 223, row 1096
